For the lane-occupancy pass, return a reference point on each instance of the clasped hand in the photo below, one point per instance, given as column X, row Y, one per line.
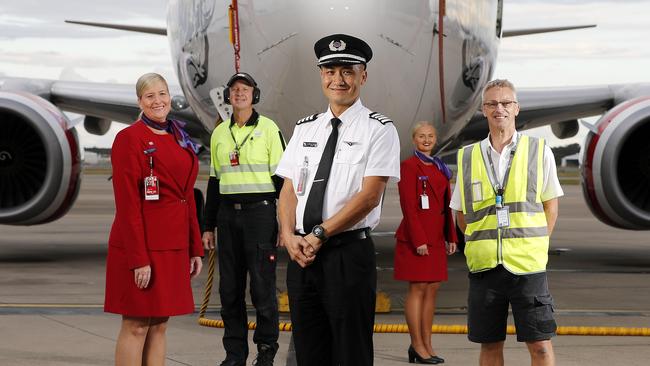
column 302, row 250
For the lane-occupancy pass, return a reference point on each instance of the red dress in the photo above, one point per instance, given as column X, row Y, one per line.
column 432, row 227
column 163, row 233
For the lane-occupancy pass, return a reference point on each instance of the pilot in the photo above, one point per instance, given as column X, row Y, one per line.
column 241, row 203
column 506, row 198
column 336, row 167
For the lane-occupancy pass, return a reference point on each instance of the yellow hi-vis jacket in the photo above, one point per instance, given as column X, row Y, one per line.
column 522, row 247
column 261, row 147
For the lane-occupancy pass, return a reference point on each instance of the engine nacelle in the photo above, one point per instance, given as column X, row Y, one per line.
column 616, row 166
column 40, row 160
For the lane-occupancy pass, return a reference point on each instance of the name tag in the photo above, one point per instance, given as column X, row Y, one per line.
column 503, row 217
column 309, row 144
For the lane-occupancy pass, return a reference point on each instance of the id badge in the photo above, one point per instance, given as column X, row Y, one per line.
column 503, row 217
column 151, row 192
column 234, row 158
column 477, row 192
column 424, row 201
column 302, row 179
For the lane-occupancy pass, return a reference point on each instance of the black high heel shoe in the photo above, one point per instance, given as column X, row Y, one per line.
column 437, row 359
column 414, row 357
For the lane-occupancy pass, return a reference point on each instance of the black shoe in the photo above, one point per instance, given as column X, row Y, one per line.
column 436, row 358
column 265, row 355
column 415, row 358
column 231, row 362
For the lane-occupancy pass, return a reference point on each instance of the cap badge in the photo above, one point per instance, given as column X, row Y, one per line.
column 336, row 46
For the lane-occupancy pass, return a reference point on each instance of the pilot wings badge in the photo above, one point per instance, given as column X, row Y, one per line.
column 336, row 46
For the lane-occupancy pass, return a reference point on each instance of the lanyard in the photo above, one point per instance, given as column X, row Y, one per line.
column 499, row 188
column 237, row 146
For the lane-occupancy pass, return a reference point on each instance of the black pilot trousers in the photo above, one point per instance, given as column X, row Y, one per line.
column 332, row 305
column 246, row 244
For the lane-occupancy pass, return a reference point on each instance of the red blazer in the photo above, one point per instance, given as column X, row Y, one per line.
column 418, row 226
column 140, row 226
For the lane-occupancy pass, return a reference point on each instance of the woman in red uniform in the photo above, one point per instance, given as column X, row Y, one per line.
column 154, row 247
column 426, row 234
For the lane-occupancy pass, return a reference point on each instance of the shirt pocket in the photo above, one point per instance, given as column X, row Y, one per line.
column 309, row 158
column 348, row 165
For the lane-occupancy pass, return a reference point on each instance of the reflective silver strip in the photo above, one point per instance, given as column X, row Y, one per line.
column 245, row 168
column 531, row 188
column 272, row 169
column 483, row 235
column 247, row 188
column 341, row 55
column 514, row 207
column 467, row 179
column 523, row 232
column 509, row 233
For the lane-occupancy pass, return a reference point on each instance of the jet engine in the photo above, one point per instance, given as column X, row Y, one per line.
column 40, row 160
column 616, row 166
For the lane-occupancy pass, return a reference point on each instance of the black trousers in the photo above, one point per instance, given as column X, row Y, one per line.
column 332, row 305
column 246, row 244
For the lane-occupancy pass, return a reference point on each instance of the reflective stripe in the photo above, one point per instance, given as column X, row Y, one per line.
column 483, row 235
column 513, row 207
column 247, row 188
column 531, row 192
column 245, row 168
column 524, row 232
column 467, row 178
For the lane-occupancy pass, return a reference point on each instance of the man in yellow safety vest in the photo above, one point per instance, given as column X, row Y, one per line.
column 506, row 199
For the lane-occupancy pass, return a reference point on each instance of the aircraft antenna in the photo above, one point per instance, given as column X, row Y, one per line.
column 233, row 12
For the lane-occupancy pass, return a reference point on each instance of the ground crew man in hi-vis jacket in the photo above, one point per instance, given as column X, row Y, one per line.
column 242, row 191
column 506, row 198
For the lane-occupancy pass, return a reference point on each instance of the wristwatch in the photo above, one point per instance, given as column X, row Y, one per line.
column 319, row 232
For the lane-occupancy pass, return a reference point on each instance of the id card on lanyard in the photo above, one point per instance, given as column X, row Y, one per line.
column 424, row 198
column 151, row 187
column 233, row 156
column 502, row 211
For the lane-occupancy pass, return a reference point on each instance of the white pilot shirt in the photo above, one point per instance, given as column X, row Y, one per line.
column 365, row 147
column 551, row 187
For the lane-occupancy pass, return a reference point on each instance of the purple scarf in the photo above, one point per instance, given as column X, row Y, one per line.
column 175, row 128
column 435, row 160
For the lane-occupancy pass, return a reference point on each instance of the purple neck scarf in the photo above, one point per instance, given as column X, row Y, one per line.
column 435, row 160
column 175, row 128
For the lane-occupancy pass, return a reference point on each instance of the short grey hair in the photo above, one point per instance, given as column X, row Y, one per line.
column 146, row 80
column 422, row 124
column 499, row 83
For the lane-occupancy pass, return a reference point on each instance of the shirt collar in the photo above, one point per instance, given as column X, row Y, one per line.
column 512, row 143
column 348, row 115
column 252, row 120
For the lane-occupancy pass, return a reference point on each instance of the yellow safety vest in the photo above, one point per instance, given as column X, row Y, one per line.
column 522, row 247
column 260, row 148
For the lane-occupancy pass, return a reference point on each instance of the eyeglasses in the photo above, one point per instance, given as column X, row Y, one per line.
column 494, row 104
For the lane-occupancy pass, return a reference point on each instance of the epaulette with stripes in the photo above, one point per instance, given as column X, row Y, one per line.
column 311, row 118
column 380, row 117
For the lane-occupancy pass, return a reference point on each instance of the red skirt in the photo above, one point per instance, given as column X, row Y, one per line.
column 169, row 291
column 409, row 266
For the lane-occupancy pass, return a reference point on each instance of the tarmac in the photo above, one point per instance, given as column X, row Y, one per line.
column 52, row 291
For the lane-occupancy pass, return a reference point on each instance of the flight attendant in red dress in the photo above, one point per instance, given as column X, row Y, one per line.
column 155, row 246
column 425, row 236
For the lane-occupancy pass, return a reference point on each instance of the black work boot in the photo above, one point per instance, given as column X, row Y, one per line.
column 265, row 355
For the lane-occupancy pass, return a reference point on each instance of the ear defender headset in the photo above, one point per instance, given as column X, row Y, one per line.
column 249, row 80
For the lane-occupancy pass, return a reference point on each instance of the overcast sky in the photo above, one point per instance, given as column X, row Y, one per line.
column 35, row 42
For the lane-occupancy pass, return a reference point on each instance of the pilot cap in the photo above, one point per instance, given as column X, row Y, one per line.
column 342, row 49
column 242, row 76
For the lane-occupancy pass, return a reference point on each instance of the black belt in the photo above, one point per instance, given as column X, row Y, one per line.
column 346, row 236
column 248, row 206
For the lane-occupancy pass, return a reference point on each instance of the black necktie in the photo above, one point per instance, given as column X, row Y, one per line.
column 314, row 206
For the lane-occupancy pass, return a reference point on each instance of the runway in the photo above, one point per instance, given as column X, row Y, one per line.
column 52, row 286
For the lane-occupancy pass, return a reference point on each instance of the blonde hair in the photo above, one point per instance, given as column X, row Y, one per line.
column 422, row 124
column 499, row 83
column 146, row 80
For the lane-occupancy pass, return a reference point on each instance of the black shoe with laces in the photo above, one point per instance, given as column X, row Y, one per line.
column 265, row 355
